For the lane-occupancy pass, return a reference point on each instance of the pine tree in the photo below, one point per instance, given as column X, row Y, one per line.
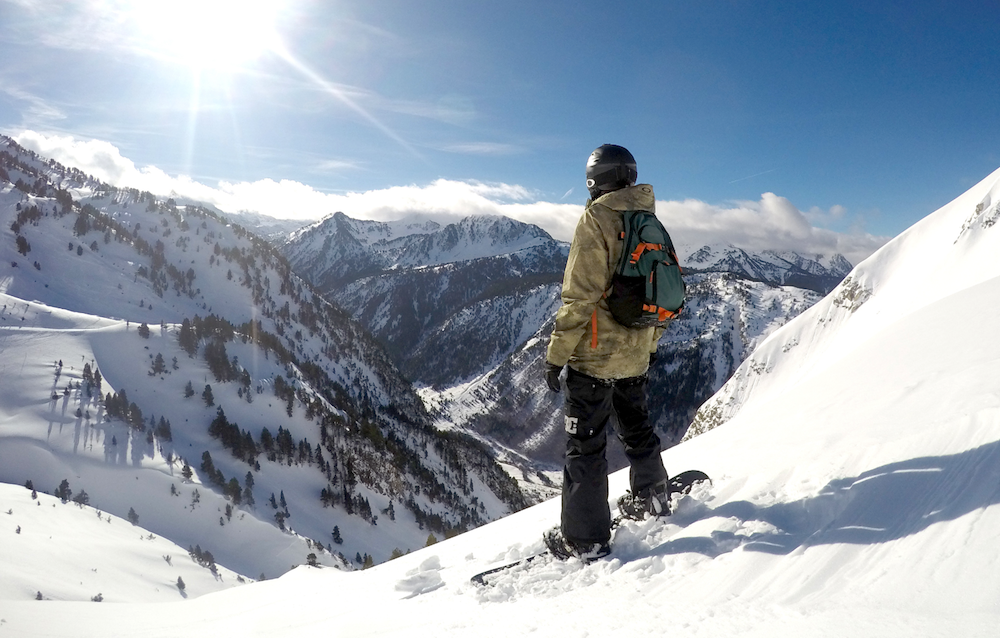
column 336, row 535
column 163, row 430
column 63, row 492
column 132, row 516
column 82, row 225
column 207, row 396
column 188, row 390
column 187, row 338
column 144, row 330
column 234, row 491
column 159, row 365
column 180, row 584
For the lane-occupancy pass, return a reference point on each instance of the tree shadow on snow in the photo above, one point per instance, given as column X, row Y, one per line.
column 883, row 504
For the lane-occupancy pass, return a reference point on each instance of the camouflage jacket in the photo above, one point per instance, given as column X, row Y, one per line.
column 586, row 336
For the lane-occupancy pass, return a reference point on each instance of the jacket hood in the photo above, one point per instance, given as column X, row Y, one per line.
column 638, row 197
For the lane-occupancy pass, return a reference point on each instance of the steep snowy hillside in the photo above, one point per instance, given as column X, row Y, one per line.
column 856, row 493
column 158, row 343
column 948, row 251
column 51, row 550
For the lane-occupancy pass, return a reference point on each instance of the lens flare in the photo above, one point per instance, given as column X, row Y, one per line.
column 222, row 35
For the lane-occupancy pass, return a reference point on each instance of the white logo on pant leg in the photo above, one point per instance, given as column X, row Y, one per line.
column 571, row 422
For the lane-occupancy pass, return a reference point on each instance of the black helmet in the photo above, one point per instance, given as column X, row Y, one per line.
column 609, row 168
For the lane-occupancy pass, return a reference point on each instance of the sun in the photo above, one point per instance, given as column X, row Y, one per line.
column 219, row 35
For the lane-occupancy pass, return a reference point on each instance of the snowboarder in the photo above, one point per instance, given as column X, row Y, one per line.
column 605, row 366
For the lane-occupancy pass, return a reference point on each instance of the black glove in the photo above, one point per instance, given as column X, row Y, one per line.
column 552, row 372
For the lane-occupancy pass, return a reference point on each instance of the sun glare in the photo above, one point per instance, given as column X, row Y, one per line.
column 222, row 35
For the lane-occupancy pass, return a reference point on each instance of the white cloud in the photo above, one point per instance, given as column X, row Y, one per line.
column 38, row 109
column 772, row 223
column 483, row 148
column 336, row 165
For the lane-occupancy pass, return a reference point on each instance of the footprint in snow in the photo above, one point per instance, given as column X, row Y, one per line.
column 423, row 579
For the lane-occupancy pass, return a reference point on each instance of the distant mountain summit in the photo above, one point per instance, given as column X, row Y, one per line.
column 819, row 273
column 340, row 249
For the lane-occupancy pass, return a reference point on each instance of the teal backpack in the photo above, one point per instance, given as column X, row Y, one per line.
column 646, row 287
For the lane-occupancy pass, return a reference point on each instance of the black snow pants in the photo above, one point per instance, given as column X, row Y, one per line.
column 590, row 404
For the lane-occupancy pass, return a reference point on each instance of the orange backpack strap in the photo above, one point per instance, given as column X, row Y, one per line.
column 641, row 248
column 662, row 313
column 593, row 329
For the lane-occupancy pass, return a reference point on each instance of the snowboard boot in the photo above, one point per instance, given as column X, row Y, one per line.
column 564, row 549
column 654, row 501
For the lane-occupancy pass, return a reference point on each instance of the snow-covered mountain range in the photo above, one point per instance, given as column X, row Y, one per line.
column 856, row 492
column 465, row 311
column 165, row 361
column 820, row 274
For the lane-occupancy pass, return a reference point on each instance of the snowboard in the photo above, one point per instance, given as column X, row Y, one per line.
column 679, row 484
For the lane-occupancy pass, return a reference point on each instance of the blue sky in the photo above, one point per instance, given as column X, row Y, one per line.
column 861, row 117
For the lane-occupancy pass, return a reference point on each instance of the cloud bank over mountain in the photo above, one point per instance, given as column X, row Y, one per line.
column 771, row 223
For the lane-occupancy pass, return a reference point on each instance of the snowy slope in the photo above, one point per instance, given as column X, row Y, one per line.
column 83, row 266
column 857, row 493
column 952, row 250
column 90, row 553
column 44, row 440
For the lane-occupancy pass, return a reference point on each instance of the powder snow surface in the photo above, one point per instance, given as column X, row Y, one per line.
column 857, row 481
